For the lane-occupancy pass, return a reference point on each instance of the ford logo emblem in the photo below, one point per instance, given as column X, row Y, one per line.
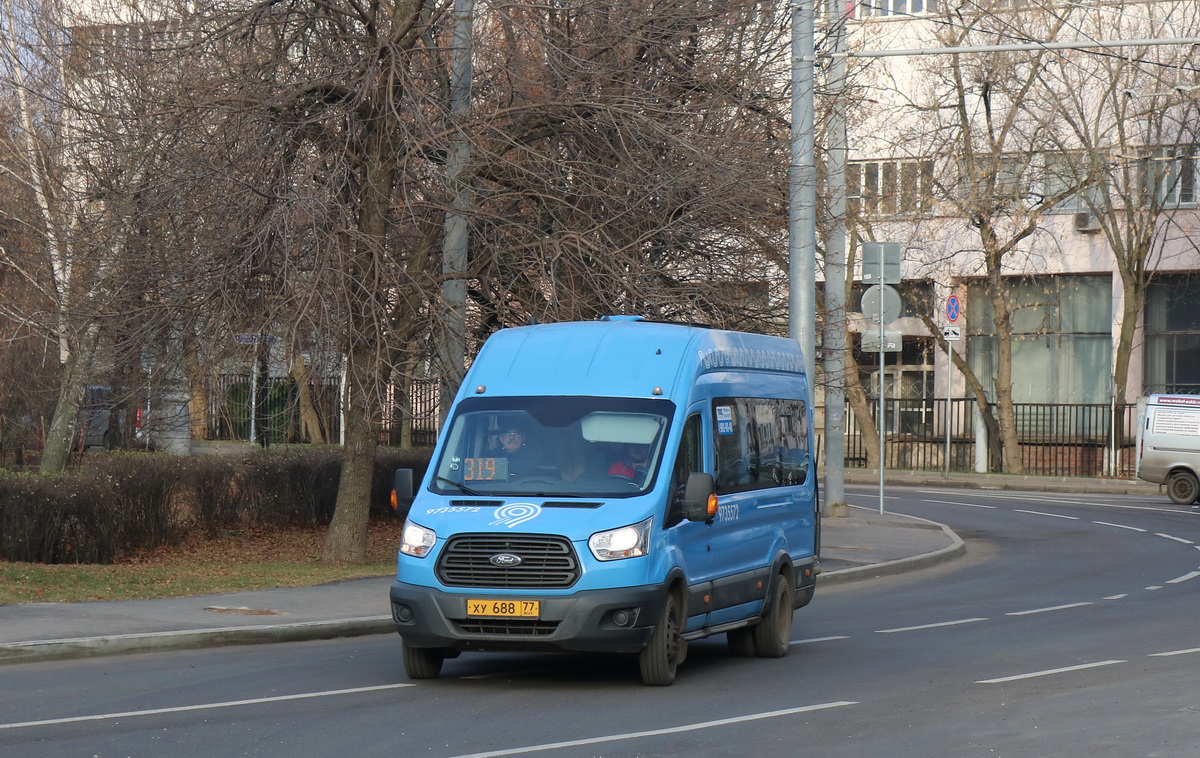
column 505, row 560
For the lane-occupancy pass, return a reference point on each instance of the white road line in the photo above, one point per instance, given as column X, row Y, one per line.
column 1051, row 515
column 203, row 706
column 1184, row 578
column 817, row 639
column 1117, row 597
column 1189, row 651
column 928, row 626
column 1177, row 539
column 1047, row 610
column 1047, row 672
column 951, row 502
column 658, row 732
column 1154, row 587
column 1028, row 498
column 1119, row 526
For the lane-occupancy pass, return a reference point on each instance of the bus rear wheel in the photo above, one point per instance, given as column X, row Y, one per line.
column 773, row 635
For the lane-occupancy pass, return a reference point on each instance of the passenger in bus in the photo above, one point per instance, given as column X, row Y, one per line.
column 632, row 463
column 575, row 461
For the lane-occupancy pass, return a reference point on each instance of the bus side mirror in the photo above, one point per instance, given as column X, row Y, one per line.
column 699, row 498
column 402, row 491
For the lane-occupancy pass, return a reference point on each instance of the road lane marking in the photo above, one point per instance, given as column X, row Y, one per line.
column 1048, row 672
column 1047, row 610
column 928, row 626
column 1184, row 578
column 204, row 706
column 1189, row 651
column 1027, row 498
column 1154, row 587
column 658, row 732
column 1177, row 539
column 1042, row 513
column 1119, row 526
column 817, row 639
column 1117, row 597
column 969, row 505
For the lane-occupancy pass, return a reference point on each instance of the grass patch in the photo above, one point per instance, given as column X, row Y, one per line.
column 251, row 558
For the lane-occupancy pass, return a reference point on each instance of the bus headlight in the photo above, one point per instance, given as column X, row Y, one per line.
column 627, row 542
column 416, row 540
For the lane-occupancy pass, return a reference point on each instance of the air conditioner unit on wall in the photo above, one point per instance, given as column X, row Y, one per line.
column 1086, row 222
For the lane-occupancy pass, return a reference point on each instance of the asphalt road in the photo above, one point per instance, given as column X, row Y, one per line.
column 1071, row 627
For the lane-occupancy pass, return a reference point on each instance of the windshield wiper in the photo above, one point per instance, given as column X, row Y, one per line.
column 461, row 487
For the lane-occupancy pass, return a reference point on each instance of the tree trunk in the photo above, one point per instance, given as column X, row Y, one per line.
column 367, row 334
column 310, row 421
column 64, row 426
column 1005, row 408
column 346, row 541
column 857, row 395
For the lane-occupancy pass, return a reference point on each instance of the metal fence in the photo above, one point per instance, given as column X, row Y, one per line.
column 231, row 399
column 1055, row 439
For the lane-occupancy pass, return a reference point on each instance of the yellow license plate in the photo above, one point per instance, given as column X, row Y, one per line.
column 503, row 608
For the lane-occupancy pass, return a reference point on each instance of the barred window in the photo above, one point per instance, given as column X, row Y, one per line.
column 889, row 188
column 885, row 8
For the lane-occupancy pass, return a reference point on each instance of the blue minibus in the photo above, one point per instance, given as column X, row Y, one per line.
column 616, row 486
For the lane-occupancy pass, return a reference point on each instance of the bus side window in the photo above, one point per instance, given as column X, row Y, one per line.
column 688, row 460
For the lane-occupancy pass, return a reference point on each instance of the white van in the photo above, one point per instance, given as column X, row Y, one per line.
column 1168, row 446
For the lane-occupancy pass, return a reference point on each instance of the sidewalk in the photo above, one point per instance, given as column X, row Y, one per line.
column 864, row 545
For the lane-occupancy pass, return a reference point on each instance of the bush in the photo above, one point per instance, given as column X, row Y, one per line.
column 90, row 515
column 121, row 501
column 290, row 485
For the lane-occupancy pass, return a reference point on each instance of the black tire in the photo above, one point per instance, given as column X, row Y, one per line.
column 773, row 635
column 422, row 662
column 741, row 642
column 1183, row 488
column 660, row 658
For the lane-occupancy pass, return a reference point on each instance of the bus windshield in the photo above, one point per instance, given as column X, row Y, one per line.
column 553, row 446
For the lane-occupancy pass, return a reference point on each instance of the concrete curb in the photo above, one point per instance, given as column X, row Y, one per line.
column 194, row 639
column 1028, row 483
column 191, row 639
column 901, row 565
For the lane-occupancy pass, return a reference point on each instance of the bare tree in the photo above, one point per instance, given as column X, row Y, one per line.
column 1130, row 139
column 977, row 114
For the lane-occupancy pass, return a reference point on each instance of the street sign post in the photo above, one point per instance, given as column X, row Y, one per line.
column 881, row 262
column 881, row 304
column 890, row 342
column 953, row 308
column 951, row 333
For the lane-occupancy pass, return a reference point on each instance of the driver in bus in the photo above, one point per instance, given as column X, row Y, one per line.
column 512, row 446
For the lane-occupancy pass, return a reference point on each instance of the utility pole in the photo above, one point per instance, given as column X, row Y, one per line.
column 802, row 190
column 454, row 242
column 834, row 334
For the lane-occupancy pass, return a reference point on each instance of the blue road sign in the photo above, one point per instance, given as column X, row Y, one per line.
column 953, row 308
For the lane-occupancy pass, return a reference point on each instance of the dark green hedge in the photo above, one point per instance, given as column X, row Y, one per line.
column 118, row 502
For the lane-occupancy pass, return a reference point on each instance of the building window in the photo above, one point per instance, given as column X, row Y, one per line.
column 885, row 8
column 1167, row 177
column 1062, row 174
column 1062, row 337
column 1172, row 354
column 889, row 188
